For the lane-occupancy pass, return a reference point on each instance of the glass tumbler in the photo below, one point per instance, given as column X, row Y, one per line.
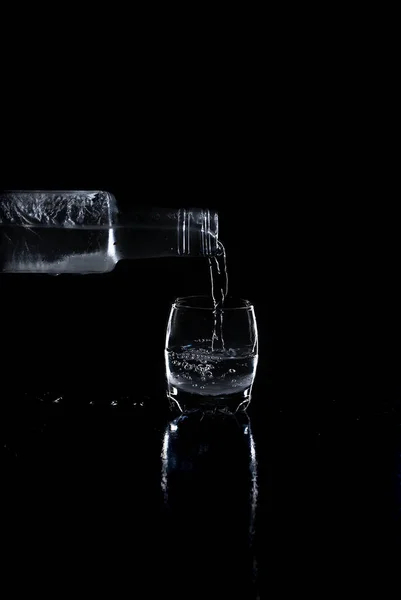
column 211, row 354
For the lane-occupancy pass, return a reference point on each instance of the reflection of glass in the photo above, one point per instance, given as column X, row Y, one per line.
column 210, row 489
column 211, row 354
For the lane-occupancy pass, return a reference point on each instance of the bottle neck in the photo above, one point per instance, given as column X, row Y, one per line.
column 166, row 232
column 197, row 232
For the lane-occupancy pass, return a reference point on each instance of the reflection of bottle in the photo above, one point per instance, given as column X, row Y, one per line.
column 87, row 232
column 209, row 483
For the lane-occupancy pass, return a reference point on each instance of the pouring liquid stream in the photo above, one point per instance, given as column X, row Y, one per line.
column 219, row 290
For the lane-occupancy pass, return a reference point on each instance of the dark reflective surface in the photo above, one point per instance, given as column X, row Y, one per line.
column 120, row 494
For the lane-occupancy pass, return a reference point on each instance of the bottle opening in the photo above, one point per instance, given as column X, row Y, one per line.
column 197, row 232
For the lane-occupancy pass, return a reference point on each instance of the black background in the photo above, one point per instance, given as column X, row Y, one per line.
column 301, row 245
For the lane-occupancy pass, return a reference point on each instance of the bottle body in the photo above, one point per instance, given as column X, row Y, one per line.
column 86, row 232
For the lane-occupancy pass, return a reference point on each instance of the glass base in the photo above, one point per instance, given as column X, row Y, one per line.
column 231, row 403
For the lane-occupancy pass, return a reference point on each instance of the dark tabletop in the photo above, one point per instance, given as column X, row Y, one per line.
column 101, row 492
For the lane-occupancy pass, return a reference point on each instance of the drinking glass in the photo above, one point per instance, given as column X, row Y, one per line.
column 211, row 354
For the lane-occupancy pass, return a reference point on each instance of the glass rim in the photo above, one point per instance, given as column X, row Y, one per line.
column 184, row 302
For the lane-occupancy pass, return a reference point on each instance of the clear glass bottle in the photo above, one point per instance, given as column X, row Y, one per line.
column 87, row 232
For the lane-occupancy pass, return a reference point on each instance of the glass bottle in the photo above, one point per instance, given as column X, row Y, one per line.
column 87, row 232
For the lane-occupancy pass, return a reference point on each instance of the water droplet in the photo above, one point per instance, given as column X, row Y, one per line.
column 231, row 370
column 113, row 403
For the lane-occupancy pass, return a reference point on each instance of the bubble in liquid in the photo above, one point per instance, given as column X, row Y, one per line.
column 231, row 370
column 209, row 374
column 188, row 367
